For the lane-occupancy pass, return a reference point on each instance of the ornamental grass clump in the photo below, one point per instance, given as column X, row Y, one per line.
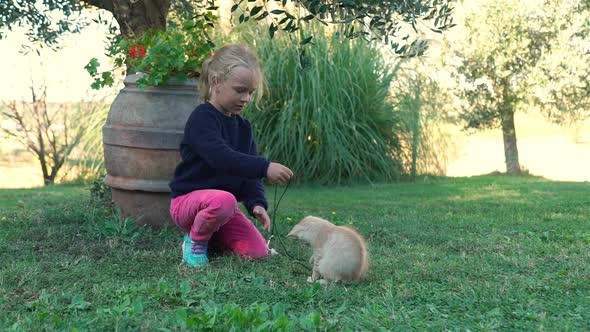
column 327, row 112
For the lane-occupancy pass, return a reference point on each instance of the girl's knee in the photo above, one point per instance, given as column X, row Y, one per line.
column 224, row 204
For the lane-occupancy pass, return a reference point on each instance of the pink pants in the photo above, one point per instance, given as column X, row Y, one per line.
column 214, row 215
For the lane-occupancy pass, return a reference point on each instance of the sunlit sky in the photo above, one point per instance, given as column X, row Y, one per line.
column 62, row 71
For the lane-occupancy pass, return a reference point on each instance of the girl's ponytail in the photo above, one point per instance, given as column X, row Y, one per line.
column 204, row 78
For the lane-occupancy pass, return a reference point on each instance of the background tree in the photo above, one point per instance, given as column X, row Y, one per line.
column 563, row 92
column 50, row 133
column 505, row 44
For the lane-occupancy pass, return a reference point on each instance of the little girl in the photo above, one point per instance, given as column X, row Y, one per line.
column 220, row 165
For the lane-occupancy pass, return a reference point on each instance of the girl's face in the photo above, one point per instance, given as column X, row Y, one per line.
column 232, row 95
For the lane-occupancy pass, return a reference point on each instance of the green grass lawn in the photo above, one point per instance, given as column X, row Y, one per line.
column 482, row 253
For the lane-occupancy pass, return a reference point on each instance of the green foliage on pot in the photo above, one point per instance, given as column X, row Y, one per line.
column 175, row 53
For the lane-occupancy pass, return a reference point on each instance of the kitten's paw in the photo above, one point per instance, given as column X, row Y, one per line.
column 323, row 282
column 310, row 280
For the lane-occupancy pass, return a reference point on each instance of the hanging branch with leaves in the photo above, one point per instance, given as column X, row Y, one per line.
column 175, row 33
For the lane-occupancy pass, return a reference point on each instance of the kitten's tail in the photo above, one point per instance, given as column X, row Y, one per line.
column 362, row 273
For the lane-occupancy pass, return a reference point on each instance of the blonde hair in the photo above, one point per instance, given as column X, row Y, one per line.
column 220, row 65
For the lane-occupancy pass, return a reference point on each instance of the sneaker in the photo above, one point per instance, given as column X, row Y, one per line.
column 194, row 253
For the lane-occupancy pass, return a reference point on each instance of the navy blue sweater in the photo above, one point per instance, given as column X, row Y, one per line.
column 219, row 152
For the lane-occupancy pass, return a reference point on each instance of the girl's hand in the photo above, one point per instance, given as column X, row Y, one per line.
column 262, row 217
column 278, row 173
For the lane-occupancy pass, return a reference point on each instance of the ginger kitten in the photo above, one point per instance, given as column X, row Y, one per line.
column 339, row 252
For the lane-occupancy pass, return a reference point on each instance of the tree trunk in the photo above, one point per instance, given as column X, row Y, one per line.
column 135, row 17
column 510, row 148
column 48, row 179
column 415, row 109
